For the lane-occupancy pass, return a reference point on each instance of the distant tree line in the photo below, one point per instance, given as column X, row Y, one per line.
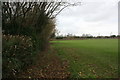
column 84, row 36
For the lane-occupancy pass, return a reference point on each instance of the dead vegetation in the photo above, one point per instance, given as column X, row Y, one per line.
column 48, row 65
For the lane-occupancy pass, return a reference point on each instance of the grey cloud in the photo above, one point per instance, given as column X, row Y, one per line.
column 91, row 17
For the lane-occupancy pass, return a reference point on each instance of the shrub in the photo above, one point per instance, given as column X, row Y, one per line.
column 113, row 36
column 59, row 37
column 76, row 37
column 18, row 52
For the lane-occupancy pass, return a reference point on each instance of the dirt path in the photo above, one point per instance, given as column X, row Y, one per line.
column 48, row 65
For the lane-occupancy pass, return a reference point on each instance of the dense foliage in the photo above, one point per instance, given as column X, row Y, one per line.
column 18, row 52
column 26, row 32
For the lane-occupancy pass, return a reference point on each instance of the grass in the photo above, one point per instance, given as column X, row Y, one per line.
column 91, row 58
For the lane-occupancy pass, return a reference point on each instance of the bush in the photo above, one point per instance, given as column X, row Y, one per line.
column 59, row 37
column 18, row 52
column 76, row 37
column 113, row 36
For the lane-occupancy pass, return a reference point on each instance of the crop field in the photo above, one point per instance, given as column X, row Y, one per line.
column 90, row 58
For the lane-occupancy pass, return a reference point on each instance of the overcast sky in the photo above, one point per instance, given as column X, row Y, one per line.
column 95, row 17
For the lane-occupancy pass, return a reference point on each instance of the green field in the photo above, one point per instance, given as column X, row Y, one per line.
column 90, row 58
